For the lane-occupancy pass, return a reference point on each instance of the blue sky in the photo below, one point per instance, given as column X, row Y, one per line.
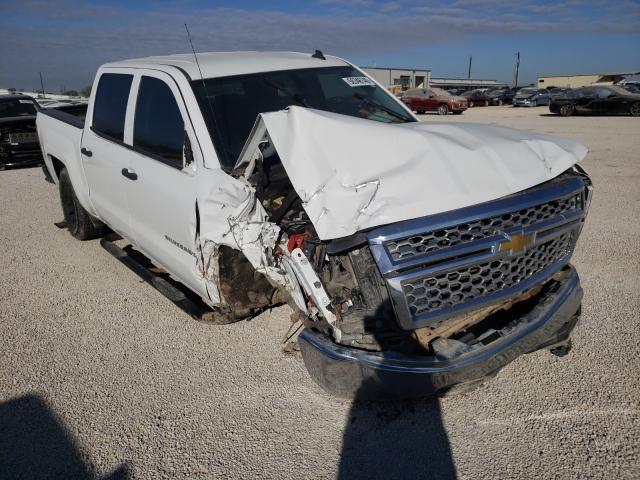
column 68, row 39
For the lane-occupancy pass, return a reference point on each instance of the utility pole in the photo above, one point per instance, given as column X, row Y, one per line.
column 517, row 73
column 41, row 84
column 470, row 59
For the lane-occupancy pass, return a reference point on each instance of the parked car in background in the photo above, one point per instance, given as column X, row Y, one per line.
column 502, row 96
column 19, row 145
column 422, row 100
column 632, row 87
column 531, row 97
column 601, row 100
column 476, row 98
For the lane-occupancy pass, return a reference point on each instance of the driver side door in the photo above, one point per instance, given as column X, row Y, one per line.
column 162, row 187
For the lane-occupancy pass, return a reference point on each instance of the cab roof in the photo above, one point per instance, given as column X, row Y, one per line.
column 223, row 64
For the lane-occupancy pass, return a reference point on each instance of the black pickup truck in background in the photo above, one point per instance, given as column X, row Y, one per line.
column 19, row 146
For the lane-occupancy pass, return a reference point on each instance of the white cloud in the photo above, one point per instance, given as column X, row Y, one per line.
column 68, row 40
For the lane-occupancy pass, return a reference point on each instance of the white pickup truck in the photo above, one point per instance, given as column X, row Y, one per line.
column 416, row 255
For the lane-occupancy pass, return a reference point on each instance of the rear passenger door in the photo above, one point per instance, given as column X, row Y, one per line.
column 162, row 197
column 104, row 151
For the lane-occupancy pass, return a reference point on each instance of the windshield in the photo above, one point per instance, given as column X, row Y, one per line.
column 527, row 91
column 230, row 105
column 16, row 107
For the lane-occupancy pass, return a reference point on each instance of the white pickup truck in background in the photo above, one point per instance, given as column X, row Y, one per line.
column 417, row 255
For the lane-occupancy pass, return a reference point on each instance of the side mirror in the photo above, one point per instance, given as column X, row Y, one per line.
column 187, row 151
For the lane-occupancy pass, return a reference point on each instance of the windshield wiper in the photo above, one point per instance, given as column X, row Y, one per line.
column 376, row 103
column 296, row 96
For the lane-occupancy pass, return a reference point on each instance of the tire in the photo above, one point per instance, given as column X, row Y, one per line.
column 567, row 110
column 80, row 223
column 534, row 103
column 634, row 110
column 443, row 110
column 470, row 104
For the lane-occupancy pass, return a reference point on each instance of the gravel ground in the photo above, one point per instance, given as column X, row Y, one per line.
column 102, row 377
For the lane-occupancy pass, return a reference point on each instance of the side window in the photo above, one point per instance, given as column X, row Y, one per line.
column 158, row 128
column 110, row 106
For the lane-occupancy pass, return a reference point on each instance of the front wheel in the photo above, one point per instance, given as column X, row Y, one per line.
column 443, row 110
column 635, row 109
column 566, row 110
column 79, row 222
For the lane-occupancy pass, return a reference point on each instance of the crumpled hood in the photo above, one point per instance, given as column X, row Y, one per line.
column 354, row 174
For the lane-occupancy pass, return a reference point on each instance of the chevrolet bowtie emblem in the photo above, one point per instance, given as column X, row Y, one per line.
column 517, row 243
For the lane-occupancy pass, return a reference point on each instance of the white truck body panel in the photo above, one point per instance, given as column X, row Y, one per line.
column 354, row 174
column 63, row 141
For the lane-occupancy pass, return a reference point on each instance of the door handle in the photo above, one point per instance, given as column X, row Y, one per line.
column 86, row 152
column 130, row 173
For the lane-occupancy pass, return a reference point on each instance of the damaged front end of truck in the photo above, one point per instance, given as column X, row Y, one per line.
column 415, row 256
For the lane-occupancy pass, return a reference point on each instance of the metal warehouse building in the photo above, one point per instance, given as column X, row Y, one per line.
column 409, row 78
column 469, row 83
column 582, row 80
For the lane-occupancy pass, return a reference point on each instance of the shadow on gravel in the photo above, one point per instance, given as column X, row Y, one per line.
column 34, row 444
column 395, row 440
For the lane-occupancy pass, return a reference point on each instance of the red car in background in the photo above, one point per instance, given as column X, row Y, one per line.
column 422, row 100
column 477, row 98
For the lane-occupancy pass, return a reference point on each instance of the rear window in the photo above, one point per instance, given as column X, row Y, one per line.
column 158, row 128
column 110, row 107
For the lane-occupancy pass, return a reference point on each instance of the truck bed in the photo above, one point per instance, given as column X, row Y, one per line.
column 72, row 114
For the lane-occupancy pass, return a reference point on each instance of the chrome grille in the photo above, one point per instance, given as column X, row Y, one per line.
column 449, row 263
column 461, row 285
column 460, row 234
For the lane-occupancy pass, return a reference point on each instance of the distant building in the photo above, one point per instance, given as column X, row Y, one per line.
column 405, row 78
column 401, row 77
column 582, row 80
column 468, row 83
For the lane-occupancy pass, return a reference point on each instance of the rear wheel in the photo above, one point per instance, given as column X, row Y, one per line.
column 443, row 110
column 566, row 110
column 635, row 109
column 80, row 223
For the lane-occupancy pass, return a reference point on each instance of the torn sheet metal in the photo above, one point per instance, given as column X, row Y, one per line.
column 353, row 173
column 231, row 215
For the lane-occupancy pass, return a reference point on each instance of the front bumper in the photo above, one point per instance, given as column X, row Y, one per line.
column 523, row 103
column 349, row 372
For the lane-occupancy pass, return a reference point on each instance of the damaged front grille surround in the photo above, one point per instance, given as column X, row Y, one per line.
column 527, row 238
column 459, row 234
